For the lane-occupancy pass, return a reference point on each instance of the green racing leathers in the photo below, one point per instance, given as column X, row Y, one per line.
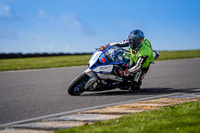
column 142, row 57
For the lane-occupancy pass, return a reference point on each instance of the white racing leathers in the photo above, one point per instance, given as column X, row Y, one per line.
column 138, row 70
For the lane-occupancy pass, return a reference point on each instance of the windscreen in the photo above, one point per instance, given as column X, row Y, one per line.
column 114, row 54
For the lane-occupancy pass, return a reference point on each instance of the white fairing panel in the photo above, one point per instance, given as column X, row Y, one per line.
column 95, row 57
column 110, row 76
column 106, row 68
column 90, row 73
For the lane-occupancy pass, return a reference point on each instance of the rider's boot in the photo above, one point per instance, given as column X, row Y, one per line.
column 137, row 81
column 135, row 86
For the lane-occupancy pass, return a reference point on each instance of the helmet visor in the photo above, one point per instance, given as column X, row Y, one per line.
column 134, row 43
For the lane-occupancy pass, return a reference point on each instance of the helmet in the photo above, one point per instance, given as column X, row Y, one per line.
column 135, row 38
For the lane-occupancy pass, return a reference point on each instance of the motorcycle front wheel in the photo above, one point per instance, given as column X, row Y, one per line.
column 76, row 87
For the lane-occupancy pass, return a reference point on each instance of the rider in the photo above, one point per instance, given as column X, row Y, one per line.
column 141, row 53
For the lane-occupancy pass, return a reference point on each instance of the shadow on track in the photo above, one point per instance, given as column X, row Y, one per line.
column 143, row 91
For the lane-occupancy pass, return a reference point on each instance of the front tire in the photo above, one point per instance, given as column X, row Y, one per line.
column 76, row 87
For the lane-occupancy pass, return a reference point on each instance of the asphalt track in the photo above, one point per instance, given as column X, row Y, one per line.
column 34, row 93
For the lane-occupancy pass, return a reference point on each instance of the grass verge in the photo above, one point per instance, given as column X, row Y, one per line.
column 183, row 118
column 77, row 60
column 43, row 62
column 168, row 55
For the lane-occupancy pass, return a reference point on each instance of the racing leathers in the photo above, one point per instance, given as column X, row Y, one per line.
column 142, row 56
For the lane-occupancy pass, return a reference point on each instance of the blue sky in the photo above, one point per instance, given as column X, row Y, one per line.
column 30, row 26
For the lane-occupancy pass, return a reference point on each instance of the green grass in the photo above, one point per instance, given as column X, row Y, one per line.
column 183, row 118
column 43, row 62
column 77, row 60
column 168, row 55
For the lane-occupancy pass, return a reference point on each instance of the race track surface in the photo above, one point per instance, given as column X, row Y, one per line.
column 33, row 93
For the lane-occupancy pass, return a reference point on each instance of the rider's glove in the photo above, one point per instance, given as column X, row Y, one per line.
column 102, row 48
column 125, row 73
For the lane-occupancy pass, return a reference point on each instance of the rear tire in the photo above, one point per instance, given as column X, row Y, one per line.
column 76, row 87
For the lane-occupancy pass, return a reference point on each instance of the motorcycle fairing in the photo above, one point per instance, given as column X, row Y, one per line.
column 103, row 61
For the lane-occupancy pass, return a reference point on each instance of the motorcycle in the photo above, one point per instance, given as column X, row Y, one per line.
column 103, row 72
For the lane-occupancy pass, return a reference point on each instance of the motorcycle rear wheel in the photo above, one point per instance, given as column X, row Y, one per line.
column 76, row 87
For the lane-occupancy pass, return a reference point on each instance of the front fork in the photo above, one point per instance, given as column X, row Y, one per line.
column 93, row 78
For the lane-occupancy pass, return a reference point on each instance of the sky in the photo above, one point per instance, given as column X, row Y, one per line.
column 37, row 26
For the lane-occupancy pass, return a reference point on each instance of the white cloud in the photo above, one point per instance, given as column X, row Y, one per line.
column 42, row 13
column 5, row 12
column 69, row 21
column 73, row 22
